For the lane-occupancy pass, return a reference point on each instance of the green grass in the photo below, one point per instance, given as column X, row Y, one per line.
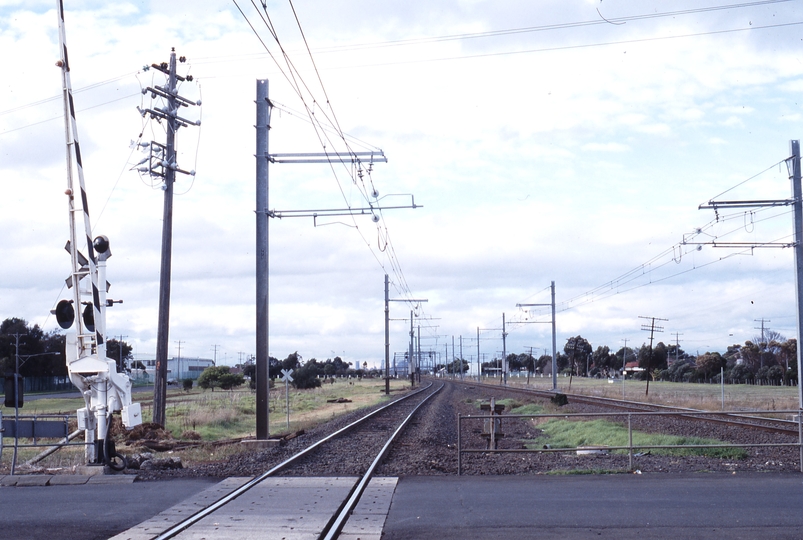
column 569, row 434
column 512, row 406
column 222, row 414
column 529, row 408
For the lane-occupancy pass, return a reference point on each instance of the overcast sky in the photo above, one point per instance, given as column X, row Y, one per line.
column 565, row 140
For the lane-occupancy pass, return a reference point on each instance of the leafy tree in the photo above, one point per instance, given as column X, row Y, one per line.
column 577, row 350
column 710, row 364
column 306, row 377
column 220, row 376
column 186, row 384
column 775, row 374
column 113, row 350
column 341, row 367
column 274, row 367
column 675, row 353
column 562, row 362
column 250, row 373
column 741, row 373
column 292, row 361
column 751, row 356
column 732, row 354
column 787, row 357
column 33, row 341
column 791, row 345
column 456, row 365
column 517, row 362
column 680, row 371
column 604, row 361
column 229, row 380
column 543, row 361
column 652, row 360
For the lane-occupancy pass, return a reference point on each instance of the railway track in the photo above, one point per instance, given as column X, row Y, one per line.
column 750, row 421
column 375, row 432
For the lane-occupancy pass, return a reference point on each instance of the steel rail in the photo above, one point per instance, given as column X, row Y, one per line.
column 223, row 501
column 334, row 529
column 790, row 427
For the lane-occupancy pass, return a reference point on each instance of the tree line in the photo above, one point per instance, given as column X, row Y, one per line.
column 42, row 354
column 772, row 360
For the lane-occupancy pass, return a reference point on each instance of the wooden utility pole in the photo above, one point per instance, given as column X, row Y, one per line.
column 652, row 328
column 162, row 163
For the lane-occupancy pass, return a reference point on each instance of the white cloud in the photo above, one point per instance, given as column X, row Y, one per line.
column 496, row 148
column 606, row 147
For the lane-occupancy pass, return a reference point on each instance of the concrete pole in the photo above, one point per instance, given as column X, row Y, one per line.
column 410, row 371
column 454, row 373
column 554, row 345
column 262, row 256
column 479, row 362
column 387, row 338
column 461, row 358
column 504, row 351
column 446, row 359
column 797, row 195
column 418, row 355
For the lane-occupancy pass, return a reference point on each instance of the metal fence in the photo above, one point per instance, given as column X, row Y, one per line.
column 51, row 430
column 492, row 425
column 46, row 384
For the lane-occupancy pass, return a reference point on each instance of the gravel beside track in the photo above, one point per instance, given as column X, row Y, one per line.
column 429, row 445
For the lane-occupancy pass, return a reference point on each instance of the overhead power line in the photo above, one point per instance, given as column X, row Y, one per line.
column 643, row 274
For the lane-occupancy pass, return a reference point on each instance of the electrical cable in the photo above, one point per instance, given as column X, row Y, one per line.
column 513, row 31
column 296, row 81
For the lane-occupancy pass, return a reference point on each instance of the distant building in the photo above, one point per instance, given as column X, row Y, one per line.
column 180, row 368
column 631, row 368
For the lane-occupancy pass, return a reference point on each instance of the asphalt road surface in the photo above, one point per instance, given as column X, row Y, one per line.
column 88, row 511
column 622, row 507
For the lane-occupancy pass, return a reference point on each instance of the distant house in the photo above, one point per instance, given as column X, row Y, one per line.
column 631, row 368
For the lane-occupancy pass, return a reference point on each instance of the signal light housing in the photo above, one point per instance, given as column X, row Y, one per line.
column 89, row 317
column 65, row 314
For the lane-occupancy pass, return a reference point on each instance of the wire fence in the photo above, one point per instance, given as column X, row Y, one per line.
column 492, row 426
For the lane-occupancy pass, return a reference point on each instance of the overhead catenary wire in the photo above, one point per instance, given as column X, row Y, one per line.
column 323, row 129
column 626, row 282
column 515, row 31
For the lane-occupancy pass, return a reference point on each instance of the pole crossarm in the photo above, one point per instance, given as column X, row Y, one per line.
column 714, row 205
column 328, row 157
column 336, row 211
column 742, row 244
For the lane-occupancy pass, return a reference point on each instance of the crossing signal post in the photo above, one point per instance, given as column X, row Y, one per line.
column 103, row 389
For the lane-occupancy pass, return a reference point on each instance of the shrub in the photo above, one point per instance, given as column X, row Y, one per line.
column 306, row 377
column 219, row 376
